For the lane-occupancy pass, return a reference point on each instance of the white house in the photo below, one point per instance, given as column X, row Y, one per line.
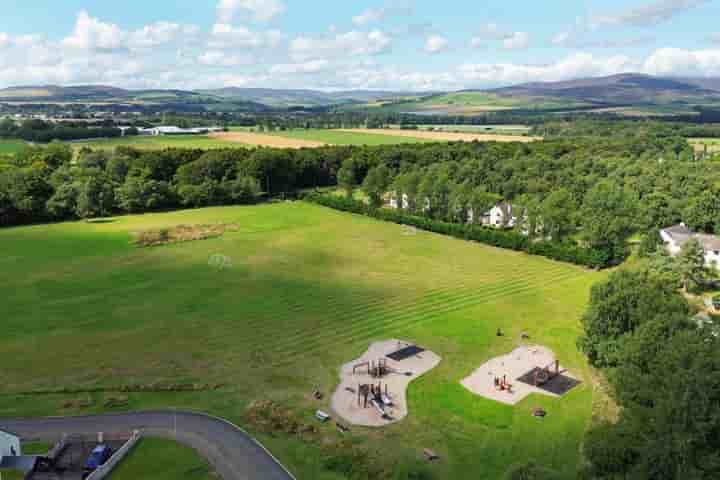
column 500, row 216
column 394, row 202
column 9, row 445
column 678, row 235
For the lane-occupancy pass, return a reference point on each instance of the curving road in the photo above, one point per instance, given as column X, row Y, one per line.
column 233, row 453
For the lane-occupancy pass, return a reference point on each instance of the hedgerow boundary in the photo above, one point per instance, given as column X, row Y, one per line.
column 511, row 240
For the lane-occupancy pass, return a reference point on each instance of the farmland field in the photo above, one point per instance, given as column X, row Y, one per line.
column 158, row 459
column 305, row 289
column 11, row 146
column 349, row 137
column 444, row 136
column 157, row 143
column 701, row 144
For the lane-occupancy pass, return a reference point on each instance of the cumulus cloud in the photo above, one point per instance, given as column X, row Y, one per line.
column 648, row 15
column 259, row 10
column 353, row 43
column 4, row 40
column 160, row 33
column 573, row 40
column 228, row 36
column 681, row 62
column 436, row 44
column 91, row 33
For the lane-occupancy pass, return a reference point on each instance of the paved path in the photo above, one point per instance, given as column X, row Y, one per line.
column 233, row 453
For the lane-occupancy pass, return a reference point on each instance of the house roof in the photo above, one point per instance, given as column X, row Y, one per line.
column 681, row 234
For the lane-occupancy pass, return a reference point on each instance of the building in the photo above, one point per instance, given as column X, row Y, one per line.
column 500, row 216
column 171, row 130
column 678, row 235
column 9, row 445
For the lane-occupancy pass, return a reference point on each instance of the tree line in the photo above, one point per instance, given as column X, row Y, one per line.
column 594, row 192
column 40, row 131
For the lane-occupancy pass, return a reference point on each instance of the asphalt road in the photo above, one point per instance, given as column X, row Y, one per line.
column 234, row 454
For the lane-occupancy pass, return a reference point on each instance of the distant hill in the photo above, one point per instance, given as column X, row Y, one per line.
column 300, row 97
column 624, row 89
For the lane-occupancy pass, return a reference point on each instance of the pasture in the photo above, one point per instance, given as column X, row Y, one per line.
column 88, row 315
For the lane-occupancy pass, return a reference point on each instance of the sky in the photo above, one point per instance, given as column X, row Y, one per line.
column 340, row 44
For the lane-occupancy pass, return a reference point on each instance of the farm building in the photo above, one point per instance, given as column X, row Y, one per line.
column 171, row 130
column 678, row 235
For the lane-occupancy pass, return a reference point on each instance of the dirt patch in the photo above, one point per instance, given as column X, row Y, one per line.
column 348, row 402
column 445, row 136
column 519, row 369
column 181, row 233
column 260, row 140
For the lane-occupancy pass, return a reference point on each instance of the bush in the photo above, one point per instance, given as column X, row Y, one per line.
column 511, row 240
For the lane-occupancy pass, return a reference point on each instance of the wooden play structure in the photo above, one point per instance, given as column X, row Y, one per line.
column 502, row 384
column 375, row 369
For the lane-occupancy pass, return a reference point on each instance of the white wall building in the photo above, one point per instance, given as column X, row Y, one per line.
column 9, row 445
column 678, row 235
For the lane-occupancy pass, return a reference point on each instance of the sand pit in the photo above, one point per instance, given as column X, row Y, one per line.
column 260, row 140
column 445, row 136
column 519, row 367
column 345, row 402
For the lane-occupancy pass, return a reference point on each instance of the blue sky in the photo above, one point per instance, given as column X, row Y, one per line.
column 377, row 44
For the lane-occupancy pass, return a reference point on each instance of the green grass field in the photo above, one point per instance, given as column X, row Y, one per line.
column 11, row 146
column 158, row 143
column 308, row 289
column 158, row 459
column 336, row 137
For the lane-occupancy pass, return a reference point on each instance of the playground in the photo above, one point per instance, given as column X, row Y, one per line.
column 526, row 370
column 372, row 389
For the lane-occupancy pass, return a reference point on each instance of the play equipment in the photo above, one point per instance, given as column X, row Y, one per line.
column 377, row 369
column 371, row 395
column 547, row 373
column 404, row 353
column 502, row 384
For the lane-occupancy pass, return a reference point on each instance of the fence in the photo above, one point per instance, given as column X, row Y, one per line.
column 104, row 470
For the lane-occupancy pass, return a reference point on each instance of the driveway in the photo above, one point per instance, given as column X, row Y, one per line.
column 234, row 454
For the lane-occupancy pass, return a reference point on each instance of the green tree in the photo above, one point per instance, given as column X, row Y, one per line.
column 557, row 214
column 608, row 219
column 96, row 197
column 347, row 178
column 691, row 265
column 376, row 185
column 620, row 305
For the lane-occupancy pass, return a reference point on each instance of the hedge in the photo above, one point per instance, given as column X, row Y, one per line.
column 508, row 239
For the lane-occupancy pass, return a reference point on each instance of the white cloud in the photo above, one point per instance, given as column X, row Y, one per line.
column 260, row 10
column 680, row 62
column 228, row 36
column 216, row 58
column 518, row 40
column 351, row 43
column 576, row 66
column 4, row 40
column 91, row 33
column 372, row 15
column 647, row 15
column 313, row 66
column 160, row 33
column 436, row 44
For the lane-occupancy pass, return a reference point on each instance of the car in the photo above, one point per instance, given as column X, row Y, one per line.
column 100, row 454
